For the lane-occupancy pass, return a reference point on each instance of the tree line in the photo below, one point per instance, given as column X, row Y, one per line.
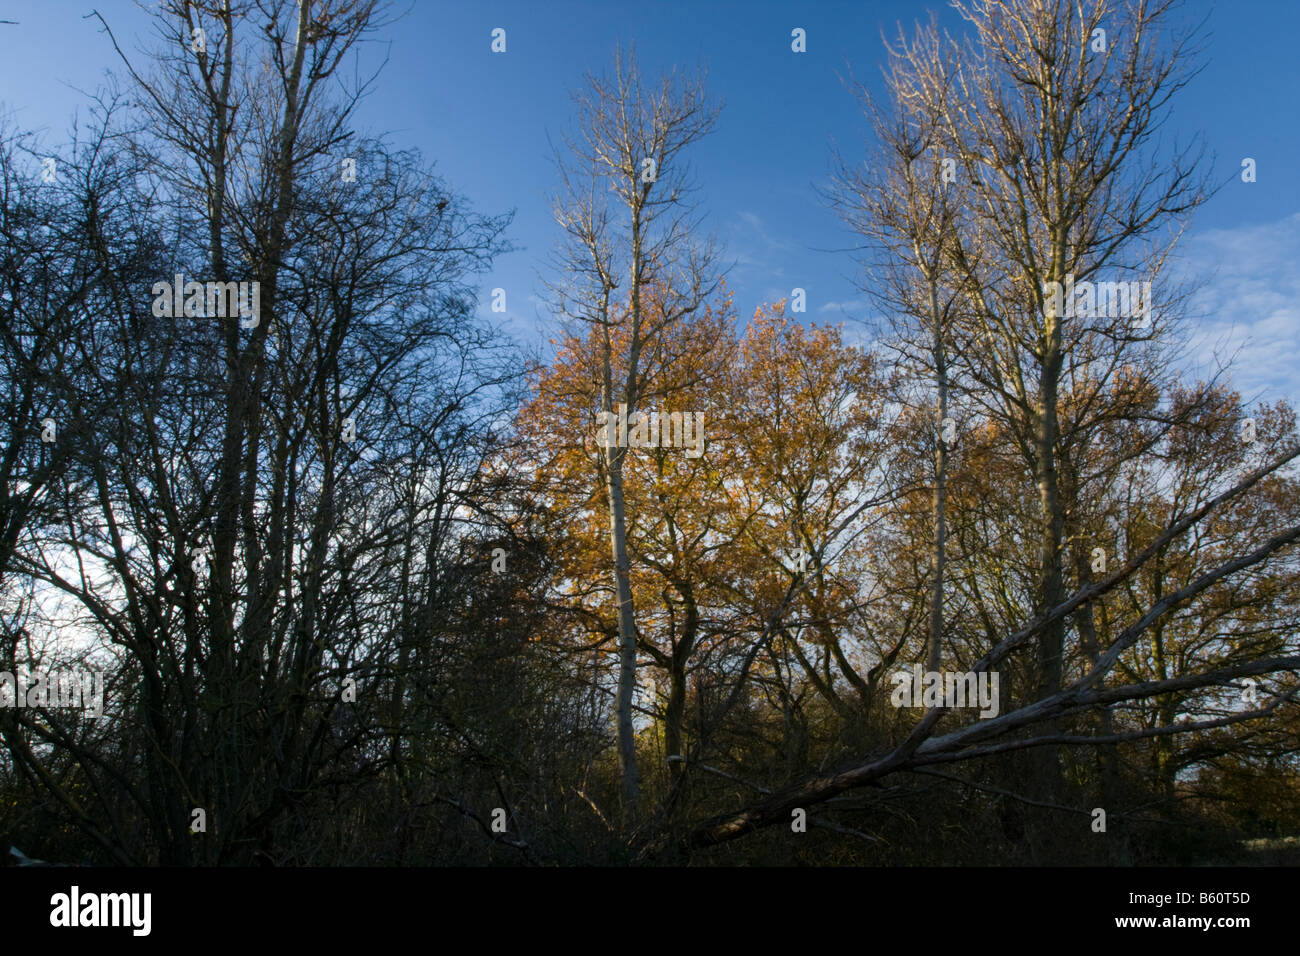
column 368, row 585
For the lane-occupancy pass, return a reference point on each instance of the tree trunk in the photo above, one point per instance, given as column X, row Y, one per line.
column 626, row 636
column 1046, row 773
column 937, row 556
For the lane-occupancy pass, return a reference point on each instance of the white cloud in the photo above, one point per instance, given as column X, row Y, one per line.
column 852, row 308
column 750, row 244
column 1249, row 304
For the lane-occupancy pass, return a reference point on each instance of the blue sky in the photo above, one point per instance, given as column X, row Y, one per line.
column 485, row 118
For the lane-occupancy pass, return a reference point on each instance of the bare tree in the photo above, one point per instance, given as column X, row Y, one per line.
column 242, row 581
column 905, row 205
column 1047, row 124
column 627, row 220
